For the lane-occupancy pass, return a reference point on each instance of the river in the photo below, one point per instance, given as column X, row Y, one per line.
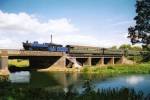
column 60, row 81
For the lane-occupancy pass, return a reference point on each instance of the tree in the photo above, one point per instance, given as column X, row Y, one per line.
column 137, row 48
column 113, row 47
column 140, row 33
column 125, row 47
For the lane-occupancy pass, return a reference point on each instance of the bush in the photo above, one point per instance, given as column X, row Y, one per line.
column 110, row 67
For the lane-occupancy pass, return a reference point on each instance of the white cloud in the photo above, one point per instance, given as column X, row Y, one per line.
column 23, row 22
column 8, row 43
column 16, row 28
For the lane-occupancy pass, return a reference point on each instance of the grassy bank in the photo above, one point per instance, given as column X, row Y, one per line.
column 18, row 63
column 118, row 69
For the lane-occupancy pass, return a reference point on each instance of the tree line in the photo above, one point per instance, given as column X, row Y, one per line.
column 128, row 47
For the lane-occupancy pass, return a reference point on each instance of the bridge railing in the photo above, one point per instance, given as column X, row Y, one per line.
column 14, row 52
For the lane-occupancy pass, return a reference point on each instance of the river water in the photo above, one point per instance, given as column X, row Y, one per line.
column 60, row 81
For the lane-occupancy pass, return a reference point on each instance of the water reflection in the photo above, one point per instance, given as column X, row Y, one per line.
column 20, row 77
column 61, row 81
column 134, row 80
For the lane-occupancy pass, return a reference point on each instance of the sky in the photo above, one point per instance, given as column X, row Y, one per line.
column 101, row 23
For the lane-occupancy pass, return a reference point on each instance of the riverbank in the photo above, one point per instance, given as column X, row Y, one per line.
column 118, row 69
column 106, row 70
column 11, row 93
column 4, row 74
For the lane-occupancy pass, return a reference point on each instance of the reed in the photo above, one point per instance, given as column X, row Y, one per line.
column 119, row 69
column 8, row 92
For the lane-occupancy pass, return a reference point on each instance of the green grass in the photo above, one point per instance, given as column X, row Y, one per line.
column 119, row 69
column 18, row 63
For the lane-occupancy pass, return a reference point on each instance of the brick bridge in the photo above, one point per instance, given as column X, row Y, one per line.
column 46, row 59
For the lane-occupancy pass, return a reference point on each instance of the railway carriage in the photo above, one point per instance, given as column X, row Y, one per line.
column 83, row 49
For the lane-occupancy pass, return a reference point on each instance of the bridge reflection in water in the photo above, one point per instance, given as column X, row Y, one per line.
column 53, row 80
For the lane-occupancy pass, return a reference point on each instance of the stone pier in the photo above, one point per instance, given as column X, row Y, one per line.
column 84, row 61
column 99, row 61
column 4, row 63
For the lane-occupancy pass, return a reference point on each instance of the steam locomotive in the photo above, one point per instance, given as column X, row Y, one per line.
column 75, row 49
column 35, row 46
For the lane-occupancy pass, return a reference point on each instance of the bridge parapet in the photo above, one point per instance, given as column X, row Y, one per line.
column 37, row 53
column 30, row 53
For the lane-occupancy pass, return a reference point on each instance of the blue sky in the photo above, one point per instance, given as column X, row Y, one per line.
column 100, row 23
